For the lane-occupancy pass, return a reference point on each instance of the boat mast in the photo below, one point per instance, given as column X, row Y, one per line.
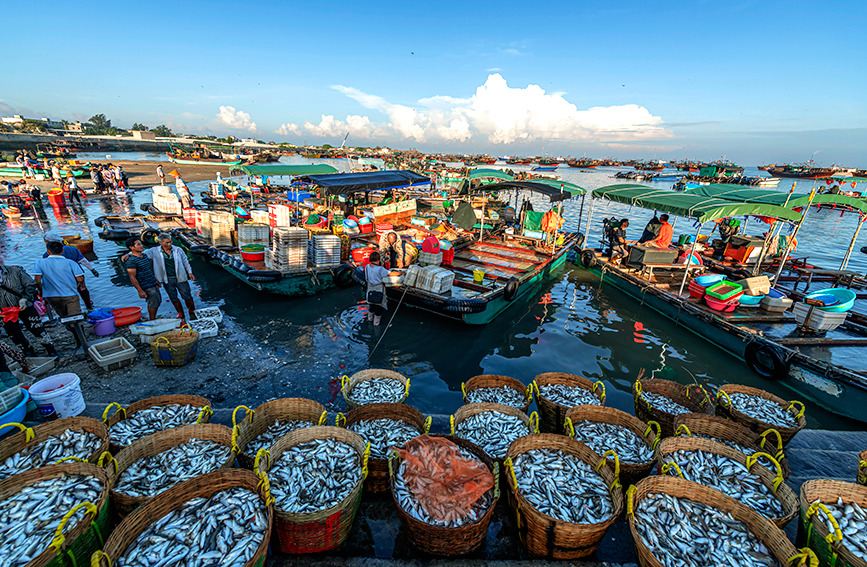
column 794, row 237
column 689, row 258
column 845, row 263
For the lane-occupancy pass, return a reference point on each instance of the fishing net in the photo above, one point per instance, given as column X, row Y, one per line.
column 445, row 483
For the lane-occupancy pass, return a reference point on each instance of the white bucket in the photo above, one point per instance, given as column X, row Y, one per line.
column 58, row 396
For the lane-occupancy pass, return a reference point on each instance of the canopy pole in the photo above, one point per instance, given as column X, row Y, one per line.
column 689, row 259
column 794, row 236
column 845, row 263
column 778, row 226
column 581, row 212
column 589, row 223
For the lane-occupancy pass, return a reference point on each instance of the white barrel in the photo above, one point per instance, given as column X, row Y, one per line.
column 58, row 396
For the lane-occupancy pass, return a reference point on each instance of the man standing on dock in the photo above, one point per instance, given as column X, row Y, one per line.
column 141, row 275
column 59, row 280
column 161, row 174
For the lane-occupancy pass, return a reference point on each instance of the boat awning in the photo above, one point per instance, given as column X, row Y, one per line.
column 554, row 189
column 286, row 169
column 697, row 207
column 343, row 183
column 488, row 173
column 770, row 197
column 843, row 179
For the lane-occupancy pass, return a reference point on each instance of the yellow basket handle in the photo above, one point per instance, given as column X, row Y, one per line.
column 529, row 393
column 496, row 481
column 406, row 390
column 185, row 328
column 265, row 485
column 603, row 461
column 533, row 422
column 364, row 458
column 263, row 453
column 323, row 418
column 59, row 538
column 751, row 460
column 206, row 411
column 337, row 419
column 682, row 429
column 836, row 535
column 236, row 432
column 452, row 423
column 535, row 386
column 108, row 407
column 794, row 405
column 247, row 410
column 392, row 456
column 668, row 466
column 70, row 458
column 28, row 432
column 427, row 422
column 630, row 500
column 805, row 557
column 105, row 459
column 159, row 339
column 722, row 394
column 97, row 557
column 657, row 432
column 596, row 385
column 464, row 390
column 343, row 381
column 569, row 427
column 764, row 436
column 638, row 389
column 510, row 475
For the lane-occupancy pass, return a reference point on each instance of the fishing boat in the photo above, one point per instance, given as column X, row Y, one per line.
column 545, row 168
column 189, row 160
column 582, row 163
column 118, row 228
column 804, row 171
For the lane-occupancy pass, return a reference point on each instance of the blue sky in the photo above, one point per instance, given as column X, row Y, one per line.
column 752, row 81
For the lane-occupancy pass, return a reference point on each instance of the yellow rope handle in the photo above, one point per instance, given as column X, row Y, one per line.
column 263, row 453
column 323, row 418
column 236, row 432
column 343, row 380
column 658, row 433
column 108, row 407
column 630, row 499
column 392, row 456
column 836, row 535
column 427, row 422
column 105, row 459
column 793, row 405
column 28, row 432
column 528, row 393
column 364, row 458
column 96, row 558
column 59, row 538
column 638, row 389
column 406, row 390
column 862, row 467
column 337, row 419
column 464, row 390
column 206, row 411
column 682, row 429
column 248, row 411
column 185, row 328
column 163, row 339
column 510, row 466
column 751, row 460
column 496, row 481
column 265, row 485
column 596, row 385
column 535, row 386
column 764, row 436
column 723, row 394
column 70, row 458
column 533, row 424
column 805, row 557
column 604, row 461
column 452, row 423
column 569, row 427
column 668, row 466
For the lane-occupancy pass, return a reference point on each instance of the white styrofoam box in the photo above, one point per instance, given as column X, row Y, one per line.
column 818, row 320
column 209, row 313
column 411, row 276
column 205, row 327
column 156, row 326
column 429, row 259
column 324, row 250
column 162, row 190
column 392, row 281
column 433, row 279
column 113, row 353
column 259, row 217
column 775, row 304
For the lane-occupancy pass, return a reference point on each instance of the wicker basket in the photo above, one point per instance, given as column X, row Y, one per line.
column 173, row 399
column 769, row 534
column 175, row 348
column 724, row 408
column 149, row 446
column 544, row 536
column 258, row 420
column 465, row 411
column 347, row 383
column 552, row 414
column 377, row 469
column 630, row 473
column 776, row 484
column 692, row 397
column 497, row 381
column 202, row 486
column 700, row 424
column 862, row 467
column 317, row 531
column 812, row 530
column 28, row 437
column 79, row 541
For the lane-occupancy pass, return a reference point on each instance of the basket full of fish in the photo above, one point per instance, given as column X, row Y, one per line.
column 270, row 421
column 445, row 489
column 153, row 464
column 496, row 389
column 607, row 429
column 220, row 518
column 148, row 416
column 73, row 438
column 556, row 392
column 374, row 385
column 493, row 427
column 759, row 410
column 565, row 497
column 834, row 522
column 743, row 478
column 663, row 400
column 678, row 523
column 55, row 515
column 384, row 426
column 315, row 476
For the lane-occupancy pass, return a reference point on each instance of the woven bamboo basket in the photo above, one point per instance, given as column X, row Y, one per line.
column 149, row 446
column 812, row 530
column 172, row 399
column 775, row 482
column 770, row 535
column 450, row 542
column 347, row 383
column 377, row 469
column 630, row 473
column 202, row 486
column 725, row 409
column 317, row 531
column 552, row 414
column 543, row 536
column 73, row 544
column 862, row 467
column 692, row 397
column 28, row 437
column 497, row 381
column 700, row 424
column 465, row 411
column 175, row 348
column 256, row 421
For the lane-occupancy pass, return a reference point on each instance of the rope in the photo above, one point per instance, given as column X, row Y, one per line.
column 387, row 327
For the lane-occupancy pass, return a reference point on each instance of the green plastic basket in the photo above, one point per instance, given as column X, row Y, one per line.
column 724, row 290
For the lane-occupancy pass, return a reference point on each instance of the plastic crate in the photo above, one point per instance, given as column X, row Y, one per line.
column 724, row 290
column 39, row 365
column 113, row 353
column 205, row 327
column 210, row 313
column 155, row 327
column 817, row 320
column 759, row 285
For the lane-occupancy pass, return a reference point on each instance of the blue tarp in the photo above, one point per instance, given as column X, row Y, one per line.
column 343, row 183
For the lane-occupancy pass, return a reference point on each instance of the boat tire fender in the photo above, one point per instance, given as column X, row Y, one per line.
column 270, row 275
column 766, row 360
column 343, row 276
column 115, row 234
column 212, row 252
column 199, row 249
column 511, row 291
column 149, row 236
column 588, row 259
column 464, row 306
column 244, row 268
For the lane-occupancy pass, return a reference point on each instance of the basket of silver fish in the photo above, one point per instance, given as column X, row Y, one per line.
column 663, row 400
column 731, row 472
column 733, row 435
column 564, row 495
column 270, row 421
column 834, row 522
column 53, row 516
column 373, row 386
column 493, row 427
column 495, row 389
column 445, row 489
column 608, row 429
column 383, row 426
column 678, row 523
column 316, row 476
column 219, row 518
column 153, row 464
column 759, row 410
column 556, row 392
column 76, row 438
column 862, row 467
column 145, row 417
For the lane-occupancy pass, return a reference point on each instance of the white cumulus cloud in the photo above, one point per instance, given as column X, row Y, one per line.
column 288, row 128
column 330, row 127
column 236, row 118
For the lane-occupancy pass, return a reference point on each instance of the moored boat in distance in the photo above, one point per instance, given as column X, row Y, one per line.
column 804, row 171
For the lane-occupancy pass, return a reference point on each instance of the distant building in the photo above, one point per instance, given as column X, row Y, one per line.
column 143, row 135
column 16, row 119
column 75, row 127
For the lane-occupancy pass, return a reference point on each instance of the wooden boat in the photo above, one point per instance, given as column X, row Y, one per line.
column 84, row 245
column 545, row 168
column 189, row 160
column 800, row 171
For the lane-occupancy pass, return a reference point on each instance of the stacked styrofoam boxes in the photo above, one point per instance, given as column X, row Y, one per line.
column 253, row 233
column 288, row 252
column 222, row 233
column 168, row 204
column 430, row 278
column 260, row 217
column 428, row 259
column 203, row 223
column 279, row 215
column 324, row 250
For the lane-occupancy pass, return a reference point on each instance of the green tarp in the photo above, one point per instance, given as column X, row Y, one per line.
column 698, row 207
column 533, row 220
column 570, row 188
column 483, row 173
column 285, row 169
column 770, row 197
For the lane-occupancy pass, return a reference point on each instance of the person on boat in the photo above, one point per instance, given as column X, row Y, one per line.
column 141, row 275
column 74, row 194
column 395, row 251
column 666, row 233
column 161, row 174
column 619, row 244
column 17, row 293
column 172, row 269
column 183, row 191
column 374, row 274
column 727, row 227
column 651, row 231
column 59, row 280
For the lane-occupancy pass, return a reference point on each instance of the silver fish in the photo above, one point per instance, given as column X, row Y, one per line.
column 497, row 395
column 384, row 433
column 274, row 432
column 377, row 390
column 69, row 443
column 763, row 410
column 151, row 420
column 852, row 520
column 569, row 396
column 493, row 431
column 660, row 402
column 601, row 437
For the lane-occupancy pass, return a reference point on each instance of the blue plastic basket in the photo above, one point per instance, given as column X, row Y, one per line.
column 709, row 279
column 845, row 299
column 16, row 414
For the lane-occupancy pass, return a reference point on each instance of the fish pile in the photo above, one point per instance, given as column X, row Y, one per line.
column 743, row 449
column 29, row 518
column 70, row 443
column 274, row 432
column 660, row 402
column 497, row 395
column 682, row 533
column 729, row 477
column 377, row 390
column 852, row 520
column 224, row 530
column 763, row 410
column 493, row 431
column 563, row 486
column 151, row 475
column 384, row 433
column 152, row 420
column 314, row 476
column 601, row 437
column 569, row 396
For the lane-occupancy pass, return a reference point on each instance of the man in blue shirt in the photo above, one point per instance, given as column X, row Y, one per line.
column 58, row 280
column 72, row 253
column 141, row 275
